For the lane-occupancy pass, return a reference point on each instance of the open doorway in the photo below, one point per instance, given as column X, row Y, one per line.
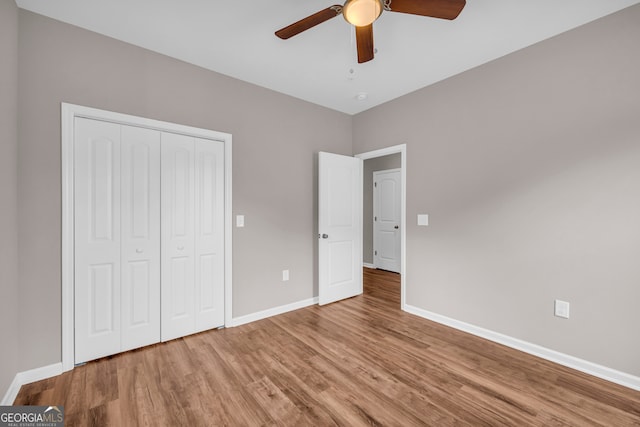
column 377, row 272
column 381, row 213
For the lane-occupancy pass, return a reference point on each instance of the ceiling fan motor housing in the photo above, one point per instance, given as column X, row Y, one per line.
column 362, row 12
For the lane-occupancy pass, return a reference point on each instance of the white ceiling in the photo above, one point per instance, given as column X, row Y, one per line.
column 236, row 38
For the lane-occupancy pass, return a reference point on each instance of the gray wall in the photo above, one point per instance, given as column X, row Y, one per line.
column 8, row 192
column 529, row 169
column 392, row 161
column 275, row 143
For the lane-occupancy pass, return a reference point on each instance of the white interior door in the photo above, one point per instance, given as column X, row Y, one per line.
column 178, row 236
column 140, row 224
column 339, row 227
column 386, row 219
column 97, row 239
column 209, row 232
column 117, row 238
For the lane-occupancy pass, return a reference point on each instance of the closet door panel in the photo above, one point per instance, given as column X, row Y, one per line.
column 209, row 232
column 97, row 239
column 178, row 236
column 140, row 216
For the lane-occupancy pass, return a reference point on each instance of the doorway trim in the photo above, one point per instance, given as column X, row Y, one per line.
column 402, row 149
column 68, row 114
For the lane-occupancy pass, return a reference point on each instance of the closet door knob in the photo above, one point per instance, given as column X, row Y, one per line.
column 180, row 248
column 139, row 250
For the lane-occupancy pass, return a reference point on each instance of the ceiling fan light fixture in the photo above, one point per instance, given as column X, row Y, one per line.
column 362, row 12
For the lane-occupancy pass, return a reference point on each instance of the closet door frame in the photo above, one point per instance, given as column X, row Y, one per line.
column 68, row 114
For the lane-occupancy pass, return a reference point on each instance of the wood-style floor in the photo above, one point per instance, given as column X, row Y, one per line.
column 359, row 362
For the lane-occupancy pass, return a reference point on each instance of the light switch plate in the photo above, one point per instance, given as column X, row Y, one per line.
column 423, row 219
column 562, row 309
column 239, row 220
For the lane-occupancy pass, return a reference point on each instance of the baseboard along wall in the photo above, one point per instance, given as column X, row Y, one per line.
column 27, row 377
column 609, row 374
column 253, row 317
column 622, row 378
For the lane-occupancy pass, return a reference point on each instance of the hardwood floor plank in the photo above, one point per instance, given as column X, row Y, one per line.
column 358, row 362
column 304, row 394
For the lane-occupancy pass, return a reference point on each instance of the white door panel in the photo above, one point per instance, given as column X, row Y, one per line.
column 209, row 234
column 387, row 221
column 178, row 236
column 140, row 153
column 341, row 271
column 102, row 292
column 339, row 227
column 179, row 296
column 149, row 237
column 97, row 239
column 137, row 313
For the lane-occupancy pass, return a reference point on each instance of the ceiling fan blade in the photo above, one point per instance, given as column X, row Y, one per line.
column 364, row 42
column 444, row 9
column 309, row 22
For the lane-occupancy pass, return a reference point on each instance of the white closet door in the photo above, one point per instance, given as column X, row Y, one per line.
column 149, row 237
column 140, row 255
column 97, row 239
column 209, row 250
column 178, row 236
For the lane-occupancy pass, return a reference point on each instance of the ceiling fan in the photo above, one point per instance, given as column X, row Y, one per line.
column 362, row 14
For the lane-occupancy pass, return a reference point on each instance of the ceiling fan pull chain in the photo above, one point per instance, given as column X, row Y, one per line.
column 387, row 5
column 337, row 9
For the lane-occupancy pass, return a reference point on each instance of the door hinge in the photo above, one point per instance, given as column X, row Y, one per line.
column 375, row 218
column 375, row 252
column 375, row 184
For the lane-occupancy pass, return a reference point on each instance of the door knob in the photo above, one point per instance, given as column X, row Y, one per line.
column 325, row 236
column 180, row 248
column 139, row 250
column 396, row 227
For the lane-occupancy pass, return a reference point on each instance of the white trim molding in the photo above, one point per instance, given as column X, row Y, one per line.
column 603, row 372
column 367, row 265
column 68, row 114
column 28, row 377
column 259, row 315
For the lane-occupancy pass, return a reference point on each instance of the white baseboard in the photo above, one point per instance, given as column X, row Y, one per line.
column 30, row 376
column 609, row 374
column 582, row 365
column 12, row 392
column 367, row 265
column 237, row 321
